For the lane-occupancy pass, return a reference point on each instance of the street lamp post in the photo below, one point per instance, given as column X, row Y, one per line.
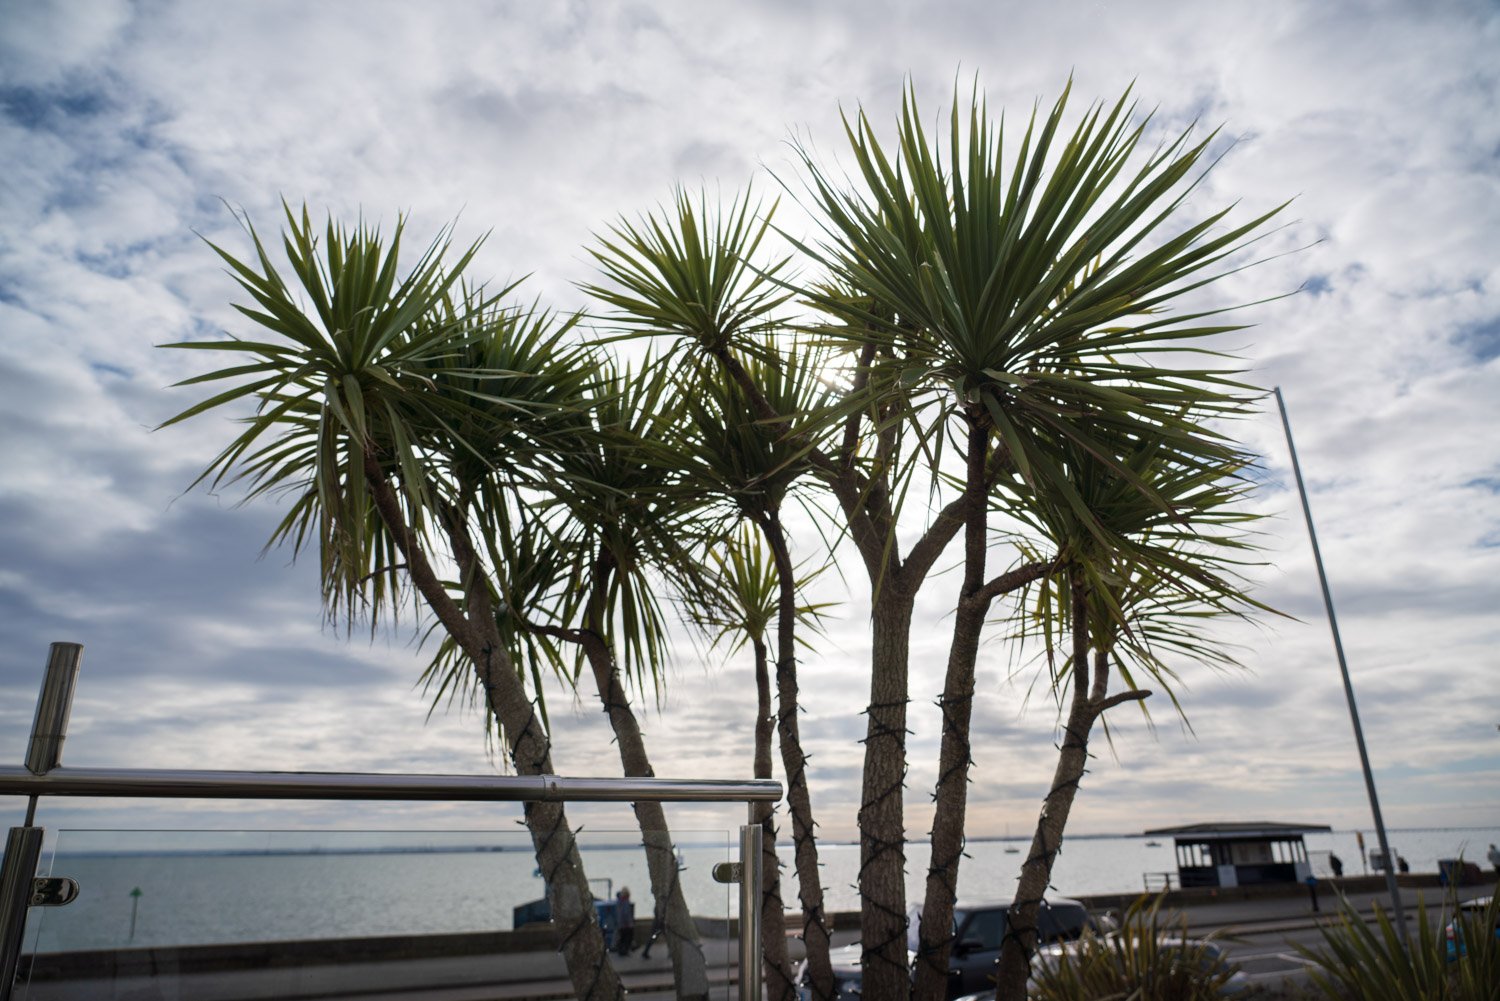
column 1338, row 648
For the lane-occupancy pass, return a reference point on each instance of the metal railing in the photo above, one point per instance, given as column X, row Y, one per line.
column 1159, row 882
column 43, row 775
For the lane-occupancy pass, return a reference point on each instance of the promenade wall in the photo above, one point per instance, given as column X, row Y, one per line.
column 540, row 939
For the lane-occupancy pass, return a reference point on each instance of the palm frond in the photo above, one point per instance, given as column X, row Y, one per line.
column 1029, row 286
column 337, row 390
column 686, row 272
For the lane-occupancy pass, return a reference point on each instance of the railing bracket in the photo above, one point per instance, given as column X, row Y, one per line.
column 53, row 891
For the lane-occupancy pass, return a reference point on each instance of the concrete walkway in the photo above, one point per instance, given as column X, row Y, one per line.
column 1291, row 912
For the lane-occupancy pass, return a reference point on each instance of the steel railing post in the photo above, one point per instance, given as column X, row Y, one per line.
column 22, row 849
column 750, row 929
column 49, row 728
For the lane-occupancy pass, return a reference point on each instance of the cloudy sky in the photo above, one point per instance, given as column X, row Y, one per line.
column 126, row 128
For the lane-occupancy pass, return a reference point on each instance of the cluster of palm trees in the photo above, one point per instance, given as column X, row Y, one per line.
column 980, row 347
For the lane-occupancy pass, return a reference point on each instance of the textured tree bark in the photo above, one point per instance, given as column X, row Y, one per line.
column 689, row 967
column 869, row 510
column 951, row 794
column 815, row 931
column 778, row 977
column 1020, row 941
column 882, row 852
column 592, row 976
column 1036, row 874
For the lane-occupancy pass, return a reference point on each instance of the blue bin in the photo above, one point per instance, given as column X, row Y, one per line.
column 604, row 910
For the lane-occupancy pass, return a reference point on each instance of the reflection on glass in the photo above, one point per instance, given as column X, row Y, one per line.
column 180, row 914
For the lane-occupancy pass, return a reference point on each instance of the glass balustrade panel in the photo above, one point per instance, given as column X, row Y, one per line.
column 229, row 915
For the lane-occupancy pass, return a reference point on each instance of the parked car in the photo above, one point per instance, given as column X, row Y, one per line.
column 1207, row 954
column 978, row 931
column 846, row 977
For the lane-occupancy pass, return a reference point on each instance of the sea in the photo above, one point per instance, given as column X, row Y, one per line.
column 177, row 888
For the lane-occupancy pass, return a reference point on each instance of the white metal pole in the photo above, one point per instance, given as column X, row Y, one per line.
column 1338, row 648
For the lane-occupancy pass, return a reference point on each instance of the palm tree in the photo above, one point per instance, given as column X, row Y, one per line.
column 689, row 276
column 358, row 409
column 1011, row 309
column 726, row 452
column 625, row 526
column 691, row 272
column 1008, row 309
column 740, row 610
column 584, row 552
column 1155, row 552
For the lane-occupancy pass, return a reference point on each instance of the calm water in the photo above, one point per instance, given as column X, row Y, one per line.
column 274, row 888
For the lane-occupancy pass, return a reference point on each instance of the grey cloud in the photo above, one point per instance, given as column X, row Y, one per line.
column 1482, row 339
column 1242, row 696
column 710, row 160
column 44, row 42
column 50, row 110
column 527, row 113
column 140, row 602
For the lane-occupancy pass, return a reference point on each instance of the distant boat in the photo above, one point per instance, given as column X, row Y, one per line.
column 1153, row 844
column 1010, row 849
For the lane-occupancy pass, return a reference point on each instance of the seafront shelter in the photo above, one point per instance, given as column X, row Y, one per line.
column 1240, row 854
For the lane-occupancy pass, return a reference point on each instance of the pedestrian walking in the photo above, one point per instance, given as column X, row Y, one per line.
column 624, row 922
column 1337, row 865
column 658, row 926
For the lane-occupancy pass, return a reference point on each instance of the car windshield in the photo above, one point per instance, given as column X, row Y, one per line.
column 987, row 926
column 1063, row 921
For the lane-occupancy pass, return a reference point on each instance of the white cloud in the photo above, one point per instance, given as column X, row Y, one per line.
column 124, row 126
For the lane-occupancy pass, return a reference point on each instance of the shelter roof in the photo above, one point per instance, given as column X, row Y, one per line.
column 1237, row 830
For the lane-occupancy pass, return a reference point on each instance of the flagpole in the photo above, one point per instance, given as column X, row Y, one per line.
column 1338, row 647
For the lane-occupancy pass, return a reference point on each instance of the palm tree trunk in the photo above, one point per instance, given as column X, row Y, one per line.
column 765, row 723
column 580, row 941
column 815, row 931
column 1020, row 942
column 689, row 968
column 779, row 980
column 951, row 795
column 871, row 517
column 882, row 849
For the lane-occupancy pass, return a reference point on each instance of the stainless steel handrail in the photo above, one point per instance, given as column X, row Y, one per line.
column 43, row 775
column 192, row 784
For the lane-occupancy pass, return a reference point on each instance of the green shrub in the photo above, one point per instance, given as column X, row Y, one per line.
column 1146, row 960
column 1364, row 962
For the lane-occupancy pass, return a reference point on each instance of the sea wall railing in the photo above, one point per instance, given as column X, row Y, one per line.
column 1159, row 882
column 43, row 775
